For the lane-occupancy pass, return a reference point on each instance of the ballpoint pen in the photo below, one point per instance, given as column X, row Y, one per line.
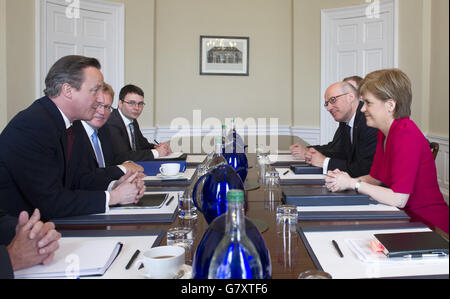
column 336, row 246
column 133, row 258
column 157, row 143
column 169, row 201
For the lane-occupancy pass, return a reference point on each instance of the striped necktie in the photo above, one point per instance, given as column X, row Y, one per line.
column 98, row 152
column 133, row 139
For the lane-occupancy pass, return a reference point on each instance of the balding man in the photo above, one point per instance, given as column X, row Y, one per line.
column 354, row 144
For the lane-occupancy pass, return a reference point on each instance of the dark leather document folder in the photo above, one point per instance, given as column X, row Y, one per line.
column 415, row 244
column 306, row 169
column 320, row 196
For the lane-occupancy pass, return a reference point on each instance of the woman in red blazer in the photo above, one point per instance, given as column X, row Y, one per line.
column 403, row 173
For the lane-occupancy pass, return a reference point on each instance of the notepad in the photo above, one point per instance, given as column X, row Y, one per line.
column 76, row 259
column 415, row 244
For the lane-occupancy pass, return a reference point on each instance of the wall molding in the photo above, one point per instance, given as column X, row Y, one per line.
column 162, row 134
column 442, row 162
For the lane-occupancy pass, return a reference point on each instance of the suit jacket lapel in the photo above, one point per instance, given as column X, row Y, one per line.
column 56, row 117
column 356, row 127
column 118, row 121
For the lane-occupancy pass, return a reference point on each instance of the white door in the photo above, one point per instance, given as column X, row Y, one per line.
column 355, row 41
column 88, row 28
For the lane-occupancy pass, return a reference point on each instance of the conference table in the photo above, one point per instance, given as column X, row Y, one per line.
column 257, row 210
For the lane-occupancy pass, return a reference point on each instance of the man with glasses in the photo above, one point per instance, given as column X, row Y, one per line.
column 128, row 142
column 354, row 143
column 37, row 148
column 93, row 143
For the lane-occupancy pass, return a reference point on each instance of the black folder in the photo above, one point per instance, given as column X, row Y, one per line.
column 352, row 215
column 180, row 183
column 320, row 196
column 183, row 157
column 116, row 219
column 306, row 169
column 414, row 244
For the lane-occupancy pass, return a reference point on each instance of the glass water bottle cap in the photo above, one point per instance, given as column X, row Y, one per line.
column 235, row 196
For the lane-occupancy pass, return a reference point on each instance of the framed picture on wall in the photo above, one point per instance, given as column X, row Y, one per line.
column 224, row 56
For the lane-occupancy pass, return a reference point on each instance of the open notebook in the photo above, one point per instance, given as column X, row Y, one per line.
column 76, row 259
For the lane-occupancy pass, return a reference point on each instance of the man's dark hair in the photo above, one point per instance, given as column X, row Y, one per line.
column 357, row 79
column 69, row 69
column 130, row 89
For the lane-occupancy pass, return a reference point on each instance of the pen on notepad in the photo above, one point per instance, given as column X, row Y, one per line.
column 286, row 172
column 336, row 246
column 133, row 258
column 169, row 201
column 157, row 143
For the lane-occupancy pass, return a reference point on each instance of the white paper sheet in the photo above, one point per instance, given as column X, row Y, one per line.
column 351, row 267
column 117, row 269
column 197, row 159
column 284, row 158
column 171, row 156
column 189, row 172
column 374, row 208
column 170, row 209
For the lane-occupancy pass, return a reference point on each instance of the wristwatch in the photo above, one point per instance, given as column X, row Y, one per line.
column 357, row 185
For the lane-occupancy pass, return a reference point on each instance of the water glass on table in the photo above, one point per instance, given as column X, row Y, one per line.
column 182, row 237
column 272, row 190
column 186, row 207
column 287, row 236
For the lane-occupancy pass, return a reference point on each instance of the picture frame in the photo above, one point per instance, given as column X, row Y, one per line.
column 224, row 56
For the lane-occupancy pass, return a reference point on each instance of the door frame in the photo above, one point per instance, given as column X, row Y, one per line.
column 327, row 16
column 118, row 12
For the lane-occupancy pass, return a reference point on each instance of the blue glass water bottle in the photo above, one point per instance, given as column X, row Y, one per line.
column 236, row 256
column 210, row 191
column 237, row 157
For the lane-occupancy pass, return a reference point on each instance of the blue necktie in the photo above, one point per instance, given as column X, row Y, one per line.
column 98, row 152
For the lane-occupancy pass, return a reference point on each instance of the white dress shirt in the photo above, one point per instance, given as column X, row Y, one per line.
column 127, row 122
column 327, row 160
column 68, row 125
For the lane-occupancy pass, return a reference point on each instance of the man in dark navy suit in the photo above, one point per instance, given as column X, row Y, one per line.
column 94, row 144
column 354, row 143
column 25, row 242
column 36, row 148
column 129, row 144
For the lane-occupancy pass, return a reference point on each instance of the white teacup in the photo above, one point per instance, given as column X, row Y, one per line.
column 170, row 169
column 162, row 262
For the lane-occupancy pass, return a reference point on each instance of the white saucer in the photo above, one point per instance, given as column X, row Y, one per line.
column 185, row 273
column 170, row 177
